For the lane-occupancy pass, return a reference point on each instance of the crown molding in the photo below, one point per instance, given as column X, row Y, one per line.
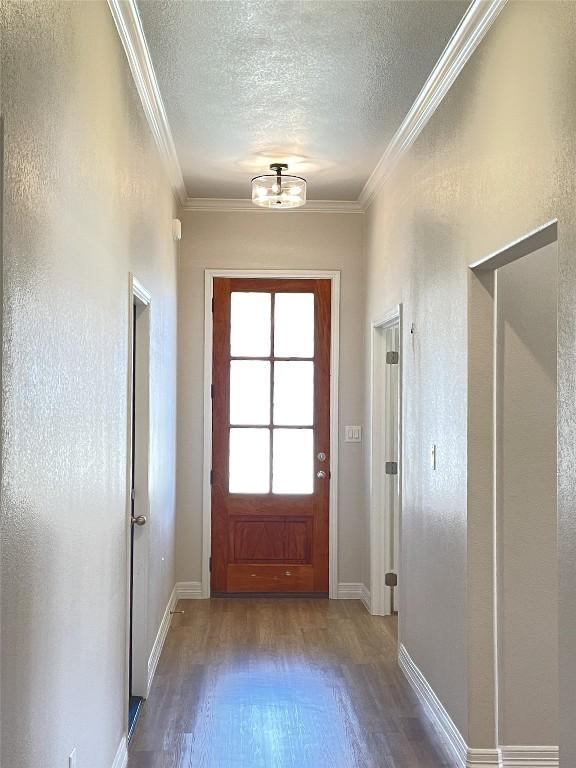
column 129, row 26
column 223, row 205
column 476, row 22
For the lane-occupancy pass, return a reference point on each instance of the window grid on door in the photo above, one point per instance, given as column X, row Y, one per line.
column 292, row 472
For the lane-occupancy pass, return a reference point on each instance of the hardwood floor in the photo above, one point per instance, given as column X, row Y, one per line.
column 282, row 683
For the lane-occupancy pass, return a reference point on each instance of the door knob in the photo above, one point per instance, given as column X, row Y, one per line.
column 140, row 520
column 321, row 475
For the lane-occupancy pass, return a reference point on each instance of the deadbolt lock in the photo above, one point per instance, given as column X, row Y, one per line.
column 321, row 456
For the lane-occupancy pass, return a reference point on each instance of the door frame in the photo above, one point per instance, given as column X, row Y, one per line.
column 483, row 503
column 380, row 512
column 140, row 297
column 297, row 274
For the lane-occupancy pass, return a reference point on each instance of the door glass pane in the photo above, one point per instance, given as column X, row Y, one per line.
column 249, row 461
column 249, row 392
column 294, row 393
column 293, row 467
column 294, row 325
column 250, row 324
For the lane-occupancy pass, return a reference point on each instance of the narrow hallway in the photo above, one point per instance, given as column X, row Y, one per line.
column 282, row 683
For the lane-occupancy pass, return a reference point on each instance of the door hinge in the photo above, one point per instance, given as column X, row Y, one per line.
column 391, row 580
column 210, row 565
column 212, row 304
column 392, row 358
column 211, row 477
column 391, row 468
column 132, row 494
column 212, row 391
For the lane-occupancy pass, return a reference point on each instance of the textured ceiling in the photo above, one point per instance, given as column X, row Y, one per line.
column 321, row 84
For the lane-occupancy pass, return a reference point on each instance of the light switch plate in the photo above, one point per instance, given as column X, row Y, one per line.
column 352, row 434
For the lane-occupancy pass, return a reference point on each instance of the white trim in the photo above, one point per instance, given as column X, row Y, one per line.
column 137, row 296
column 466, row 757
column 439, row 715
column 139, row 292
column 522, row 246
column 189, row 590
column 140, row 555
column 487, row 758
column 380, row 523
column 469, row 33
column 476, row 22
column 223, row 205
column 334, row 434
column 129, row 26
column 121, row 758
column 354, row 591
column 207, row 457
column 303, row 274
column 529, row 757
column 160, row 639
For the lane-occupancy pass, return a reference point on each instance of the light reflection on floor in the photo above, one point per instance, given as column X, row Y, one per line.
column 263, row 717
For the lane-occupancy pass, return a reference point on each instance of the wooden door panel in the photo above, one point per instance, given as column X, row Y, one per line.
column 271, row 540
column 297, row 539
column 239, row 504
column 257, row 541
column 270, row 578
column 264, row 541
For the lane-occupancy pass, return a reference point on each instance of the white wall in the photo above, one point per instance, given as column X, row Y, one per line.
column 267, row 240
column 85, row 202
column 496, row 161
column 527, row 294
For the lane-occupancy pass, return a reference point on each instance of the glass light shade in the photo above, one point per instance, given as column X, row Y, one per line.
column 273, row 191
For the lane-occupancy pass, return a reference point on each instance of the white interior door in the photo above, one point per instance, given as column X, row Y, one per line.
column 139, row 513
column 385, row 507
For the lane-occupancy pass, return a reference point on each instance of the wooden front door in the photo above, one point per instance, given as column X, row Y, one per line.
column 271, row 435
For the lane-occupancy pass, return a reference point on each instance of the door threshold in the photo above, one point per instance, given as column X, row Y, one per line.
column 309, row 595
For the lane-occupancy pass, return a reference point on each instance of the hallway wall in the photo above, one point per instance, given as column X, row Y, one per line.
column 497, row 160
column 85, row 202
column 527, row 295
column 267, row 240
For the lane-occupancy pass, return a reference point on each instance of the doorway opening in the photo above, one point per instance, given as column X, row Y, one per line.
column 512, row 498
column 138, row 500
column 385, row 464
column 271, row 433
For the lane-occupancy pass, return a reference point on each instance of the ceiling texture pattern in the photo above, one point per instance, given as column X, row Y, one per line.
column 320, row 84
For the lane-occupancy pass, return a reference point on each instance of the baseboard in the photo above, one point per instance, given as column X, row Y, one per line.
column 439, row 715
column 529, row 757
column 354, row 591
column 121, row 759
column 482, row 758
column 466, row 757
column 365, row 597
column 188, row 590
column 159, row 641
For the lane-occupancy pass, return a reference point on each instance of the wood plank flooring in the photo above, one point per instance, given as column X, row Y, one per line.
column 282, row 683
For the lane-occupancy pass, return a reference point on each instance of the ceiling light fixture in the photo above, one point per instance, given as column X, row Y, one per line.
column 273, row 190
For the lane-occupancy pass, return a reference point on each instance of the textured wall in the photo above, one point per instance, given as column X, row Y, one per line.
column 85, row 202
column 497, row 160
column 267, row 241
column 526, row 460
